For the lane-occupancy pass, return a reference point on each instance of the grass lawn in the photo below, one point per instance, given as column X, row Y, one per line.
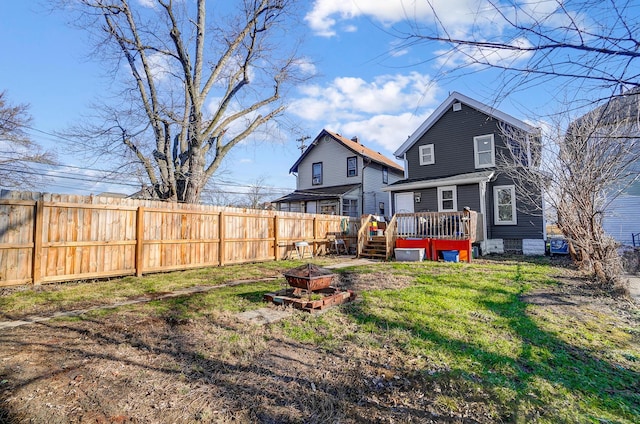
column 492, row 341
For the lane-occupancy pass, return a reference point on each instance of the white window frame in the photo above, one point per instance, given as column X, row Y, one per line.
column 476, row 153
column 454, row 191
column 496, row 212
column 349, row 206
column 432, row 153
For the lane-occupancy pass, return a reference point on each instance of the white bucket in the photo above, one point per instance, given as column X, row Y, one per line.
column 380, row 232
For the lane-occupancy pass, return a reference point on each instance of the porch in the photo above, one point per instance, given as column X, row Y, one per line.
column 433, row 231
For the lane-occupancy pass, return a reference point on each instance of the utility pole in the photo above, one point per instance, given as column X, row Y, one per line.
column 301, row 140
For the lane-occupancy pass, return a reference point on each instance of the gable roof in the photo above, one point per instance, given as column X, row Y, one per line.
column 444, row 107
column 354, row 146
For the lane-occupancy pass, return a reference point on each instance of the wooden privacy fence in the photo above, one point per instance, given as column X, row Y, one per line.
column 47, row 238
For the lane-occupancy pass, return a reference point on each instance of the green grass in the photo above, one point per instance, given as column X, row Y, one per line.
column 66, row 296
column 463, row 328
column 473, row 332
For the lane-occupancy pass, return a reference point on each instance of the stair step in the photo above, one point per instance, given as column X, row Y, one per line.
column 373, row 255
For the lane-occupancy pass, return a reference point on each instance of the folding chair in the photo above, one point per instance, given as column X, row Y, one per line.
column 301, row 248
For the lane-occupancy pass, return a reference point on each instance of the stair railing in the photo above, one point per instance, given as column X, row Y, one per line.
column 363, row 232
column 390, row 236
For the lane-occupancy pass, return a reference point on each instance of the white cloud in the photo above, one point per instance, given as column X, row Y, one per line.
column 388, row 131
column 306, row 66
column 382, row 112
column 147, row 3
column 355, row 98
column 453, row 13
column 475, row 55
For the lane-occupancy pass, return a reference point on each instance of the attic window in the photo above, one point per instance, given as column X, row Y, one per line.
column 457, row 106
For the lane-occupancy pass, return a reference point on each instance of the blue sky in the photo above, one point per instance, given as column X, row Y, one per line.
column 368, row 86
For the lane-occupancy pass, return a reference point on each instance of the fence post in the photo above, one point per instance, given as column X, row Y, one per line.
column 315, row 234
column 221, row 246
column 276, row 238
column 36, row 257
column 139, row 240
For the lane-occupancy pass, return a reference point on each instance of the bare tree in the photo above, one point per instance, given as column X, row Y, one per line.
column 584, row 42
column 195, row 89
column 256, row 194
column 18, row 153
column 583, row 170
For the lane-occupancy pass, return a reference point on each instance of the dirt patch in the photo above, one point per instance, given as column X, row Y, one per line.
column 378, row 280
column 131, row 367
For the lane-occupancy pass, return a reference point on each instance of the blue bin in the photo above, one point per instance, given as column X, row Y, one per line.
column 450, row 255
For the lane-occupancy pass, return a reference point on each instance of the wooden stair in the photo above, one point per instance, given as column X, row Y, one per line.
column 375, row 248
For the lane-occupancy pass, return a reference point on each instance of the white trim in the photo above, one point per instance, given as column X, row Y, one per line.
column 476, row 158
column 432, row 154
column 496, row 214
column 462, row 179
column 483, row 210
column 444, row 107
column 454, row 192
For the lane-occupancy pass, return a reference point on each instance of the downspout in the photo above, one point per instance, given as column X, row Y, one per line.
column 365, row 163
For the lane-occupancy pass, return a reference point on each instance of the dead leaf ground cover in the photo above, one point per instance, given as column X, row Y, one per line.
column 494, row 341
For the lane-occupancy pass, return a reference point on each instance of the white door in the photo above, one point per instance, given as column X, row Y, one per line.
column 404, row 204
column 311, row 207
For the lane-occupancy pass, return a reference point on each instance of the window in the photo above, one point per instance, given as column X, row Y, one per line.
column 317, row 174
column 427, row 155
column 447, row 199
column 385, row 175
column 350, row 207
column 328, row 207
column 352, row 166
column 504, row 205
column 483, row 151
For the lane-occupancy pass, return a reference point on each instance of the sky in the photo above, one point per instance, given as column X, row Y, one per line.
column 368, row 85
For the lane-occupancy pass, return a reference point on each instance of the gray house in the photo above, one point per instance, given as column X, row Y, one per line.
column 340, row 176
column 450, row 164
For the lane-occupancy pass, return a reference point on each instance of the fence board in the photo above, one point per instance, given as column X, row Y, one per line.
column 52, row 237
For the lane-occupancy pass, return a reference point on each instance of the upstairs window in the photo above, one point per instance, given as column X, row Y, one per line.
column 385, row 175
column 504, row 205
column 316, row 176
column 484, row 152
column 447, row 199
column 427, row 155
column 352, row 166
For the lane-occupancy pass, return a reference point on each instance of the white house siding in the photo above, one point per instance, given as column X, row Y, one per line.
column 373, row 194
column 622, row 218
column 333, row 156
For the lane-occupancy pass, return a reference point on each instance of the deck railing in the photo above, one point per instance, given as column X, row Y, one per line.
column 440, row 225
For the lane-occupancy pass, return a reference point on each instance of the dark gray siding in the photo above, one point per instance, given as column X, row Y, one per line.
column 452, row 137
column 428, row 201
column 468, row 195
column 530, row 225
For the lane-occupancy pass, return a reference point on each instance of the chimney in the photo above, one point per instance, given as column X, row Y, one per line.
column 355, row 139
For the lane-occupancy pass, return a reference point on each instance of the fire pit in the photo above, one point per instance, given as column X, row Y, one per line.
column 310, row 289
column 309, row 277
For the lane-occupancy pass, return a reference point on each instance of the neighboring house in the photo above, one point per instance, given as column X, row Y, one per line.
column 340, row 176
column 450, row 164
column 619, row 118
